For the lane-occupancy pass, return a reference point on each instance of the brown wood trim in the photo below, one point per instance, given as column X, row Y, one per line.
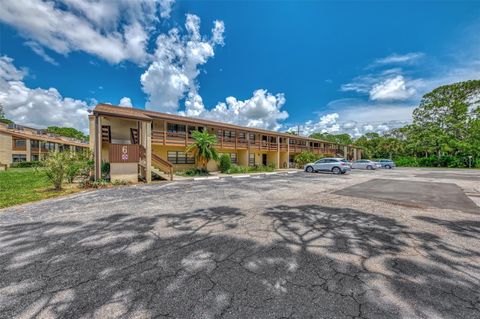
column 123, row 153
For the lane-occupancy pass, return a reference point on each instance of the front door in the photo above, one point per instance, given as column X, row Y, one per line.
column 264, row 159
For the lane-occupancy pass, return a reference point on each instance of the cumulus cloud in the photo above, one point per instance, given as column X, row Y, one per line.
column 392, row 89
column 357, row 117
column 399, row 58
column 173, row 73
column 112, row 30
column 389, row 84
column 262, row 110
column 126, row 102
column 37, row 107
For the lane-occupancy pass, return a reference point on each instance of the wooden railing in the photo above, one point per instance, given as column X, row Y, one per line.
column 162, row 164
column 182, row 139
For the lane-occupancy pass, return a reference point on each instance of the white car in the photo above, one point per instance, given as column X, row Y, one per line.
column 364, row 164
column 330, row 164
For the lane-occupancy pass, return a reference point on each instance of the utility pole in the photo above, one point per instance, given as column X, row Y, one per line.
column 298, row 130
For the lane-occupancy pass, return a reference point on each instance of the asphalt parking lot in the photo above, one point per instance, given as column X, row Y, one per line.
column 401, row 243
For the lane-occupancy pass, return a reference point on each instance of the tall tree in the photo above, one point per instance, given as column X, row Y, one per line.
column 67, row 132
column 3, row 119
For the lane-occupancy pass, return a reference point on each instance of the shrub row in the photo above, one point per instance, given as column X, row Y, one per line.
column 434, row 161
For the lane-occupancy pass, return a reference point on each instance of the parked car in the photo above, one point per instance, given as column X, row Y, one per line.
column 364, row 164
column 387, row 163
column 329, row 164
column 377, row 164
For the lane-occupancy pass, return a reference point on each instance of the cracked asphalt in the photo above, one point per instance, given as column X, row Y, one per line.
column 279, row 246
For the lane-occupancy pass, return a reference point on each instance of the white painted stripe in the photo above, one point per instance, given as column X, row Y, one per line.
column 271, row 173
column 205, row 178
column 292, row 172
column 240, row 176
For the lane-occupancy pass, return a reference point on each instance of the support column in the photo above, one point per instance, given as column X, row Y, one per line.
column 147, row 131
column 98, row 148
column 288, row 152
column 278, row 152
column 28, row 145
column 355, row 155
column 359, row 154
column 345, row 152
column 39, row 150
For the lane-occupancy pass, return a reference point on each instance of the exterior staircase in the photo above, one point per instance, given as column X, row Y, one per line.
column 162, row 167
column 133, row 136
column 106, row 134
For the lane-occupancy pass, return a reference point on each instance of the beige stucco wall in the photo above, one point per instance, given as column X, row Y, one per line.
column 120, row 129
column 5, row 149
column 283, row 159
column 91, row 128
column 242, row 157
column 124, row 172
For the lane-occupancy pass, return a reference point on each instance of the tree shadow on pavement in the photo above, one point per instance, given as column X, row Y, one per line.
column 319, row 262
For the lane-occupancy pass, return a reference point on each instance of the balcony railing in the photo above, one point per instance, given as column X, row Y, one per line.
column 183, row 139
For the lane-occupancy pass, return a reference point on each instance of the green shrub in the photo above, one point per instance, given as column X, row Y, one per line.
column 406, row 161
column 235, row 169
column 305, row 158
column 225, row 163
column 55, row 166
column 118, row 182
column 105, row 169
column 26, row 164
column 430, row 161
column 194, row 172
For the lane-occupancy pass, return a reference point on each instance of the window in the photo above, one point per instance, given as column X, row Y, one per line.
column 34, row 157
column 20, row 143
column 179, row 157
column 233, row 158
column 176, row 128
column 229, row 134
column 49, row 146
column 251, row 159
column 241, row 135
column 19, row 158
column 251, row 137
column 190, row 130
column 34, row 143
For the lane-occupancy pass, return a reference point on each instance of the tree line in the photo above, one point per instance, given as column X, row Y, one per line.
column 445, row 131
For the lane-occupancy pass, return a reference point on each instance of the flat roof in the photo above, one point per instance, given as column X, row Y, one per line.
column 145, row 115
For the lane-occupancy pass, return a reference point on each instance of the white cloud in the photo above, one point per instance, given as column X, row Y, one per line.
column 392, row 89
column 41, row 52
column 357, row 117
column 112, row 30
column 37, row 107
column 262, row 110
column 399, row 58
column 166, row 8
column 126, row 102
column 172, row 74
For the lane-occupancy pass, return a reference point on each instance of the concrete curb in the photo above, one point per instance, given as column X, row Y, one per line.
column 241, row 176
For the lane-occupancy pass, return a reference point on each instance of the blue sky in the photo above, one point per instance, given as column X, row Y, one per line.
column 328, row 66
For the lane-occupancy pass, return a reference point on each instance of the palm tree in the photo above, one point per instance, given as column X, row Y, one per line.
column 203, row 147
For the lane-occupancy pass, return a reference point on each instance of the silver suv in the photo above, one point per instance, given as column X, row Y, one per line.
column 329, row 164
column 387, row 163
column 364, row 164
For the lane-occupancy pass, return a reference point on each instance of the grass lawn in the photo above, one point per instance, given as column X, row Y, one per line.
column 22, row 185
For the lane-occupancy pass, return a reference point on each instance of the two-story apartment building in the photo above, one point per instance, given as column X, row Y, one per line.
column 23, row 144
column 135, row 141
